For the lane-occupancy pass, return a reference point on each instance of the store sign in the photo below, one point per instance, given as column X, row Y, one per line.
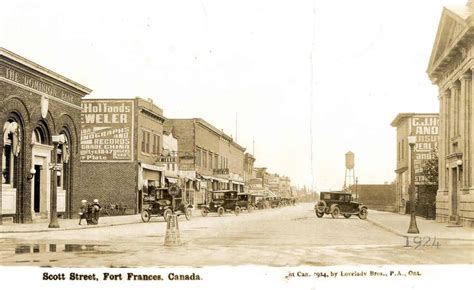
column 426, row 130
column 107, row 130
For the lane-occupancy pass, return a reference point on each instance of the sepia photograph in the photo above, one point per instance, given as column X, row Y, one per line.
column 225, row 144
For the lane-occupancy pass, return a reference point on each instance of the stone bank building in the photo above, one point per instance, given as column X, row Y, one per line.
column 36, row 104
column 450, row 68
column 121, row 144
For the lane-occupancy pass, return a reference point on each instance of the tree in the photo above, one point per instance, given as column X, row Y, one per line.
column 427, row 191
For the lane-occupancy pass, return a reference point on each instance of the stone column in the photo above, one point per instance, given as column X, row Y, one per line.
column 470, row 123
column 466, row 80
column 442, row 143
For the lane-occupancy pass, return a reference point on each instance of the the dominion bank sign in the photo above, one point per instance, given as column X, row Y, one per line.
column 107, row 130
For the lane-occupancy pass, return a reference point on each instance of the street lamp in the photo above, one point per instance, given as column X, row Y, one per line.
column 357, row 194
column 413, row 229
column 57, row 140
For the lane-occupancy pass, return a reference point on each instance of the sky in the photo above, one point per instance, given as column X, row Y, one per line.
column 305, row 81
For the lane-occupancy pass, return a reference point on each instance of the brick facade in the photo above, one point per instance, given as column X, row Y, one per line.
column 120, row 181
column 24, row 87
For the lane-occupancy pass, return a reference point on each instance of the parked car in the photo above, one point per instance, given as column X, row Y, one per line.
column 245, row 202
column 221, row 201
column 337, row 203
column 160, row 203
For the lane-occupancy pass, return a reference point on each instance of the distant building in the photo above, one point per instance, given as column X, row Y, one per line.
column 207, row 155
column 249, row 169
column 284, row 187
column 121, row 142
column 376, row 196
column 426, row 129
column 450, row 68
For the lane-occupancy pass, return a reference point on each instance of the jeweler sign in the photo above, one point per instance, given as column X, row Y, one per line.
column 106, row 130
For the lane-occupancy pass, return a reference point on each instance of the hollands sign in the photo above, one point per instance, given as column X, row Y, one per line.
column 107, row 130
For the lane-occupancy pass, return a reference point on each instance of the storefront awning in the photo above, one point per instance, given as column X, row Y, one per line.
column 160, row 167
column 171, row 179
column 220, row 179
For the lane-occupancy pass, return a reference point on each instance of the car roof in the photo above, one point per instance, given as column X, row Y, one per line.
column 224, row 191
column 335, row 192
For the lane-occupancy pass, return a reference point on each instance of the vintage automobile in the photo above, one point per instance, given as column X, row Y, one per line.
column 275, row 202
column 160, row 203
column 337, row 203
column 221, row 201
column 245, row 201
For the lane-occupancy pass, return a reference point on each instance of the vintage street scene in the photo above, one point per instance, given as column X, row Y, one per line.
column 238, row 134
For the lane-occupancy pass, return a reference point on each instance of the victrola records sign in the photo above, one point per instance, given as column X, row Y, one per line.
column 106, row 130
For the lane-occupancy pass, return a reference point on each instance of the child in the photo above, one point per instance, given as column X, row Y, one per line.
column 83, row 212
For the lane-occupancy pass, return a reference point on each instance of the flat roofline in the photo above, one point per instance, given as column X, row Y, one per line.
column 402, row 116
column 212, row 128
column 28, row 63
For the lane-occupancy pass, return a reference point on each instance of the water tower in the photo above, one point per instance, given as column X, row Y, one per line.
column 349, row 180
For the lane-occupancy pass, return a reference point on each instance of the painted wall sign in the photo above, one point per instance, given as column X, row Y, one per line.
column 107, row 130
column 426, row 129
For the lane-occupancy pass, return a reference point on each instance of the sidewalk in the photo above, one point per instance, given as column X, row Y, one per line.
column 69, row 224
column 399, row 223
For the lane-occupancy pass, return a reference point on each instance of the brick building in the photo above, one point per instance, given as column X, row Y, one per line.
column 207, row 155
column 249, row 169
column 450, row 68
column 121, row 143
column 376, row 196
column 285, row 187
column 36, row 104
column 426, row 129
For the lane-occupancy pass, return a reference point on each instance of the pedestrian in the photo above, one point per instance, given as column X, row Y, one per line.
column 83, row 211
column 95, row 211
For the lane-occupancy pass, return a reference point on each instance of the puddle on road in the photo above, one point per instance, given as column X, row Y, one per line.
column 54, row 248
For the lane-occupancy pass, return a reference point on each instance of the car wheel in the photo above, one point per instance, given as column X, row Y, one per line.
column 167, row 214
column 320, row 206
column 319, row 214
column 250, row 208
column 335, row 212
column 237, row 210
column 220, row 211
column 204, row 212
column 145, row 216
column 188, row 213
column 347, row 216
column 363, row 213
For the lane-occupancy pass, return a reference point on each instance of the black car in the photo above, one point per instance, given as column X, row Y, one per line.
column 337, row 203
column 221, row 201
column 160, row 203
column 245, row 201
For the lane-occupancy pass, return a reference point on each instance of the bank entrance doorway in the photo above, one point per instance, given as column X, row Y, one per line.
column 37, row 190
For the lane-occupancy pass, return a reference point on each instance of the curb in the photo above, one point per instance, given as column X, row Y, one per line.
column 398, row 233
column 86, row 227
column 387, row 228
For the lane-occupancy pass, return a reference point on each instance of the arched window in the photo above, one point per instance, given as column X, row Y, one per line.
column 39, row 136
column 11, row 150
column 62, row 157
